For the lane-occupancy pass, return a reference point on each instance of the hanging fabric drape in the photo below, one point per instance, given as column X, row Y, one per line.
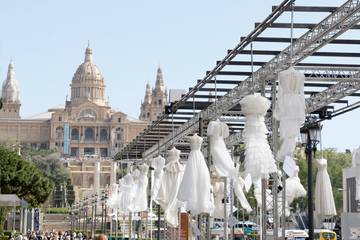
column 112, row 200
column 223, row 163
column 290, row 109
column 157, row 164
column 195, row 188
column 324, row 199
column 356, row 164
column 126, row 194
column 140, row 198
column 169, row 186
column 259, row 160
column 294, row 189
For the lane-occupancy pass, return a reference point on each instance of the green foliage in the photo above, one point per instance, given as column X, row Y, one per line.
column 20, row 177
column 337, row 161
column 49, row 163
column 58, row 210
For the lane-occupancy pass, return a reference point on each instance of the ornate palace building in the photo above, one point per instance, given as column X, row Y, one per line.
column 85, row 125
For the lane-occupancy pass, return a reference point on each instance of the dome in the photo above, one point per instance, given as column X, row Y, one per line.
column 88, row 82
column 10, row 88
column 88, row 71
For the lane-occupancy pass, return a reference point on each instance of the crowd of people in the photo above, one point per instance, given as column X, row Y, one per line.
column 66, row 235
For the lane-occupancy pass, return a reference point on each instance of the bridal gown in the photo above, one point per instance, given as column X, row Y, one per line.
column 195, row 188
column 224, row 165
column 170, row 183
column 290, row 109
column 324, row 199
column 112, row 200
column 157, row 164
column 294, row 189
column 140, row 200
column 126, row 194
column 259, row 160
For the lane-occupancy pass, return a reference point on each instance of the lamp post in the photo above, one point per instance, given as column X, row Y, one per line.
column 310, row 137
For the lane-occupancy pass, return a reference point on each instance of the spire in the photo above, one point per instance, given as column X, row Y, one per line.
column 10, row 88
column 147, row 98
column 88, row 53
column 159, row 80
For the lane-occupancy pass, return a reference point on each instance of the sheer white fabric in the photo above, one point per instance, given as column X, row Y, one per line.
column 219, row 193
column 126, row 195
column 140, row 198
column 112, row 200
column 259, row 160
column 324, row 199
column 169, row 187
column 195, row 188
column 258, row 197
column 294, row 189
column 238, row 186
column 224, row 165
column 157, row 164
column 356, row 164
column 290, row 109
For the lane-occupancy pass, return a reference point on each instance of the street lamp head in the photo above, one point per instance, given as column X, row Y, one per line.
column 311, row 132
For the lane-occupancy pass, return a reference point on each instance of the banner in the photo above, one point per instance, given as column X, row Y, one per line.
column 66, row 138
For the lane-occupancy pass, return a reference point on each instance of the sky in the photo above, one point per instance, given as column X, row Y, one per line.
column 47, row 39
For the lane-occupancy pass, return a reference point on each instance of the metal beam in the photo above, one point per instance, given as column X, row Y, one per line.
column 298, row 25
column 328, row 29
column 310, row 9
column 288, row 40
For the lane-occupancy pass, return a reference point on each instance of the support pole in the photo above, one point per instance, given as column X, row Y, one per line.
column 310, row 189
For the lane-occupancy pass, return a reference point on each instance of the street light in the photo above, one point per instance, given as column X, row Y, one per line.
column 310, row 137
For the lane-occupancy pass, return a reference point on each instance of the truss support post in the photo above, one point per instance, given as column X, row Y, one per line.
column 263, row 210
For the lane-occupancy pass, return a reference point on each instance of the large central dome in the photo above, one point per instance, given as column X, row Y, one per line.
column 88, row 83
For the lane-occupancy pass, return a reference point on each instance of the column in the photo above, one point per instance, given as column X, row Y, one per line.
column 97, row 169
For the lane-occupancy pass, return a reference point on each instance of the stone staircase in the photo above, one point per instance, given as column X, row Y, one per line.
column 56, row 222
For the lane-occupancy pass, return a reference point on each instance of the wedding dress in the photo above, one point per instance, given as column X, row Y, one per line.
column 140, row 200
column 290, row 109
column 324, row 199
column 126, row 194
column 294, row 189
column 259, row 160
column 224, row 165
column 195, row 188
column 157, row 164
column 170, row 183
column 112, row 200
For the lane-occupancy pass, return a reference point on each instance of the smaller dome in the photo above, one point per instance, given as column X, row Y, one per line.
column 88, row 71
column 10, row 89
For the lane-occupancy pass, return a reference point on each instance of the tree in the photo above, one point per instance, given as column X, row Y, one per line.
column 50, row 164
column 22, row 178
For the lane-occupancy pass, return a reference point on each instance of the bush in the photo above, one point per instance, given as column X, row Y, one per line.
column 58, row 210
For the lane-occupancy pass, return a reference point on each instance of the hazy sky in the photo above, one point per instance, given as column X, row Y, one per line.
column 47, row 40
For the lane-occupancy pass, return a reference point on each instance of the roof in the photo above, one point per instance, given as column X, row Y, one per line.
column 11, row 200
column 43, row 115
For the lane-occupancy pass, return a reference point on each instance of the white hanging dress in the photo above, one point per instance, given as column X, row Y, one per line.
column 224, row 165
column 259, row 160
column 195, row 188
column 112, row 200
column 157, row 164
column 127, row 194
column 140, row 200
column 324, row 199
column 290, row 109
column 294, row 189
column 169, row 187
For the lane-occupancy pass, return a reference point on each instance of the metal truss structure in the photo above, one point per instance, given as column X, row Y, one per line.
column 330, row 86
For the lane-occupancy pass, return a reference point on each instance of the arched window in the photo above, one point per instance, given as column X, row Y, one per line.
column 74, row 134
column 103, row 134
column 59, row 133
column 89, row 134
